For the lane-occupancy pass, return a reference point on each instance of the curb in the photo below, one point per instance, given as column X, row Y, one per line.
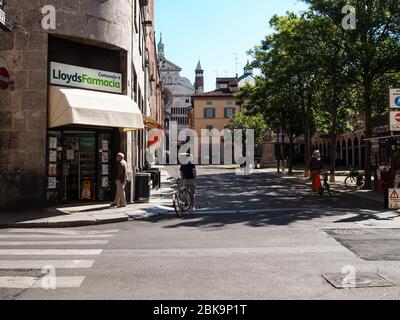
column 62, row 224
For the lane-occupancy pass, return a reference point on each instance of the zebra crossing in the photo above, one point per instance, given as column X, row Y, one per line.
column 37, row 258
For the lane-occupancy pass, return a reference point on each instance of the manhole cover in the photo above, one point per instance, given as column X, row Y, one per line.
column 361, row 280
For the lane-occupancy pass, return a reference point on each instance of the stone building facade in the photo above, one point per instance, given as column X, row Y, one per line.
column 177, row 91
column 212, row 111
column 108, row 37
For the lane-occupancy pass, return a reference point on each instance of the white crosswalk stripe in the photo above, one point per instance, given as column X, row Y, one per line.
column 32, row 245
column 62, row 231
column 41, row 236
column 39, row 264
column 32, row 282
column 48, row 252
column 52, row 243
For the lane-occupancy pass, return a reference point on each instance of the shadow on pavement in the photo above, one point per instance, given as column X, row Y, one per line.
column 291, row 198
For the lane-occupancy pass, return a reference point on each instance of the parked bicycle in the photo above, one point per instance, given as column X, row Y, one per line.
column 325, row 186
column 181, row 197
column 355, row 180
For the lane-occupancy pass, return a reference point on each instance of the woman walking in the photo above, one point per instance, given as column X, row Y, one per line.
column 315, row 167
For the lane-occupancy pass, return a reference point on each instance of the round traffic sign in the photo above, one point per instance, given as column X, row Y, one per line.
column 398, row 117
column 397, row 101
column 4, row 78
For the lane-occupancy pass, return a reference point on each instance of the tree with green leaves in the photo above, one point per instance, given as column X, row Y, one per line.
column 373, row 48
column 244, row 122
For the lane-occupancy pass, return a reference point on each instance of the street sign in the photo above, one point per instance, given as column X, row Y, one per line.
column 4, row 78
column 395, row 121
column 394, row 198
column 394, row 98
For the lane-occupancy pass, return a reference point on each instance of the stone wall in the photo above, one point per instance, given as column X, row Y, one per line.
column 23, row 106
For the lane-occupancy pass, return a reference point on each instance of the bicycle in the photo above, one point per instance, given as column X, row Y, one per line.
column 181, row 197
column 325, row 186
column 354, row 180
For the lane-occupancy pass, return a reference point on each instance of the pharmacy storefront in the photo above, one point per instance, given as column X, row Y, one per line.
column 88, row 111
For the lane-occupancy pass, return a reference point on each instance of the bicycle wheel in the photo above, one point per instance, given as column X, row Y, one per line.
column 177, row 207
column 350, row 182
column 361, row 183
column 185, row 200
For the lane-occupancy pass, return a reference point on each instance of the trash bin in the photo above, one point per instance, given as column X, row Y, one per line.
column 142, row 187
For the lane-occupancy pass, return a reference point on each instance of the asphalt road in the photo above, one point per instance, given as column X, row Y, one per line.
column 259, row 238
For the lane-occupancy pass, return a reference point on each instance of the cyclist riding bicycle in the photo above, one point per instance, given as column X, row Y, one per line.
column 189, row 175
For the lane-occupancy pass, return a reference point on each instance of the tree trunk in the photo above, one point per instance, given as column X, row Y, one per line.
column 333, row 136
column 283, row 156
column 306, row 138
column 278, row 152
column 368, row 132
column 333, row 154
column 291, row 154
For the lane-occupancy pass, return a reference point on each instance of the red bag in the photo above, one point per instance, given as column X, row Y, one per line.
column 317, row 185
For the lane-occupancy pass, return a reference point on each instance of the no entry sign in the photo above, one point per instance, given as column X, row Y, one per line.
column 394, row 121
column 4, row 78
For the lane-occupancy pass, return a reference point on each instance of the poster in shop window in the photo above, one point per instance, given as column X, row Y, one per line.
column 53, row 143
column 52, row 184
column 104, row 157
column 53, row 156
column 105, row 169
column 52, row 170
column 70, row 155
column 66, row 168
column 105, row 145
column 104, row 182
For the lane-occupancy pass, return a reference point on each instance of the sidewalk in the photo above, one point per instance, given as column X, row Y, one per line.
column 92, row 214
column 339, row 187
column 364, row 194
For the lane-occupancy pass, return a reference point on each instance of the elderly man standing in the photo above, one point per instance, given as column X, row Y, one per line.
column 121, row 180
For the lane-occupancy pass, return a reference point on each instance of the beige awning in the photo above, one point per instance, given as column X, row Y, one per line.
column 76, row 106
column 150, row 124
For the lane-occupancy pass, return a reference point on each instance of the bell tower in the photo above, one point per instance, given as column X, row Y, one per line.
column 161, row 53
column 199, row 81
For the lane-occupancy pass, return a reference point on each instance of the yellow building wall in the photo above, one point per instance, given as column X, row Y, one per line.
column 219, row 104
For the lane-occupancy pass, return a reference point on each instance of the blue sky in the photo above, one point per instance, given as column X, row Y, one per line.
column 214, row 30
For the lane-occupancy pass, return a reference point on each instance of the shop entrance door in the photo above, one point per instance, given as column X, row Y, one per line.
column 79, row 166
